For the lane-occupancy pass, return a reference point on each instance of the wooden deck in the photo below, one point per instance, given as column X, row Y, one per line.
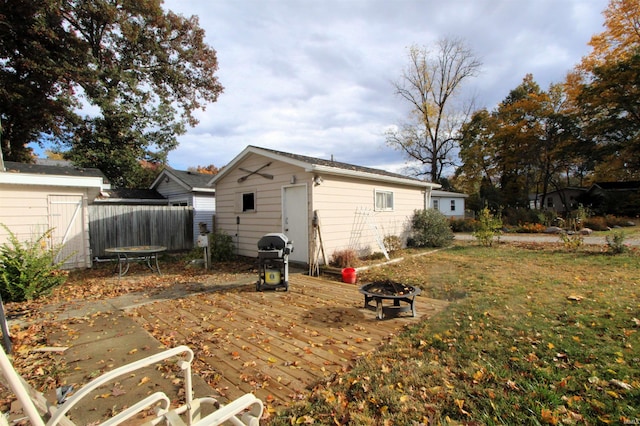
column 276, row 344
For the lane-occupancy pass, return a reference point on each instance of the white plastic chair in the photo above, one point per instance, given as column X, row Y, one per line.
column 244, row 411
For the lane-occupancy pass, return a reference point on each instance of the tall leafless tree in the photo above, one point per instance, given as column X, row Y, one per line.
column 431, row 84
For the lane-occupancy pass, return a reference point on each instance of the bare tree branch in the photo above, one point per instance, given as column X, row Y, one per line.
column 430, row 83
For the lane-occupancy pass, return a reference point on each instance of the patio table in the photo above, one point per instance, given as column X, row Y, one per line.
column 147, row 254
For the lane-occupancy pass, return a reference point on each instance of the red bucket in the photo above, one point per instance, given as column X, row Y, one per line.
column 349, row 276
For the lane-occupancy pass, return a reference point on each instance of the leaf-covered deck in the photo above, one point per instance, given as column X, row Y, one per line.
column 276, row 344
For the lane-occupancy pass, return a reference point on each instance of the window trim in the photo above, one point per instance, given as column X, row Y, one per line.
column 387, row 194
column 453, row 205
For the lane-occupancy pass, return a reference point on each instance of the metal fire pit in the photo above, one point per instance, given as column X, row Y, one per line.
column 389, row 290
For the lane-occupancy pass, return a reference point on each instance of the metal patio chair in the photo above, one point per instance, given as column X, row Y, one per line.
column 243, row 411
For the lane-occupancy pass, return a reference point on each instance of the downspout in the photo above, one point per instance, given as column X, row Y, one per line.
column 427, row 197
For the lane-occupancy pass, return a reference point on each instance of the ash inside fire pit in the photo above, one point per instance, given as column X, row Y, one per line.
column 390, row 290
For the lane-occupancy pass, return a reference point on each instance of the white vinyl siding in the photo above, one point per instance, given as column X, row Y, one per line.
column 203, row 203
column 27, row 212
column 451, row 204
column 247, row 227
column 348, row 216
column 346, row 206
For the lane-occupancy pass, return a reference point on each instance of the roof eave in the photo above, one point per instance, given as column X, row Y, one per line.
column 316, row 168
column 204, row 189
column 53, row 180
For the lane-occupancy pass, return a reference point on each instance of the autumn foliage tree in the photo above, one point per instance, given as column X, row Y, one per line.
column 140, row 73
column 525, row 146
column 37, row 73
column 583, row 130
column 207, row 170
column 604, row 92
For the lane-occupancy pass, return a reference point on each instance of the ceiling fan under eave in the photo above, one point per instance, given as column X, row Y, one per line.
column 255, row 172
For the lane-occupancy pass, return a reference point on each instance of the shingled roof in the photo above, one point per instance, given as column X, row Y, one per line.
column 53, row 170
column 336, row 164
column 191, row 181
column 320, row 165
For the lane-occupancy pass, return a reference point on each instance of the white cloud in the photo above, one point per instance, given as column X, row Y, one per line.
column 314, row 77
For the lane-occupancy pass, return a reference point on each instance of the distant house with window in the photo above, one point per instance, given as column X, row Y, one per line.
column 191, row 189
column 451, row 204
column 561, row 201
column 320, row 205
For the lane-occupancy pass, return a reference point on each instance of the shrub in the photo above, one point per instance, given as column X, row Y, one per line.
column 430, row 229
column 615, row 242
column 489, row 226
column 597, row 223
column 29, row 269
column 343, row 258
column 531, row 228
column 392, row 243
column 572, row 242
column 221, row 246
column 614, row 221
column 463, row 225
column 516, row 215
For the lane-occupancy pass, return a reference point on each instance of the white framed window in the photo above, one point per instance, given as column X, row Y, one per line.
column 435, row 205
column 384, row 200
column 453, row 205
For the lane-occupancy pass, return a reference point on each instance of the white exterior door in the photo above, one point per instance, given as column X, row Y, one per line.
column 295, row 221
column 66, row 218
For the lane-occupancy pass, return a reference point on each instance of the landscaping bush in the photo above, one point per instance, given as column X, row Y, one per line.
column 596, row 223
column 221, row 246
column 572, row 242
column 463, row 225
column 392, row 243
column 430, row 229
column 516, row 215
column 28, row 269
column 615, row 221
column 615, row 242
column 531, row 228
column 489, row 226
column 343, row 258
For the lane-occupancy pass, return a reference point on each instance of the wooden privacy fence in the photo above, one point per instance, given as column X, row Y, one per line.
column 123, row 226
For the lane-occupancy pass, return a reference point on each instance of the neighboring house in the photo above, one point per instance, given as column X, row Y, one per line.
column 184, row 188
column 617, row 198
column 36, row 198
column 450, row 204
column 561, row 201
column 263, row 191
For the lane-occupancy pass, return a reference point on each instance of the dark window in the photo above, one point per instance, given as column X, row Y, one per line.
column 248, row 202
column 453, row 205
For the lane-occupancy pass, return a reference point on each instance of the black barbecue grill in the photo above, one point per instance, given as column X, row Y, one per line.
column 273, row 262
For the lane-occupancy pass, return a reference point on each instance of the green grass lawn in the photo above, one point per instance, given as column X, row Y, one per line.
column 536, row 335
